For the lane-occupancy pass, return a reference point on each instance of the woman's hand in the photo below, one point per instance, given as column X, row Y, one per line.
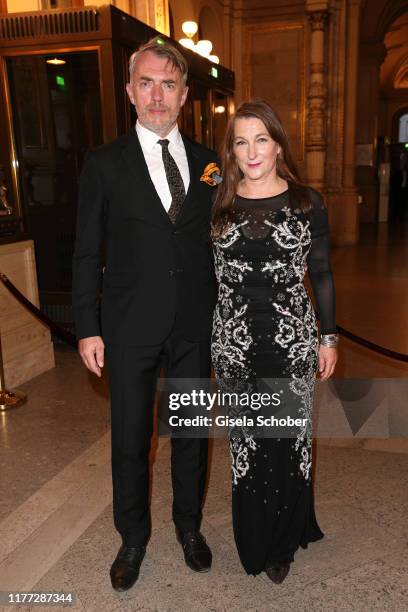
column 327, row 361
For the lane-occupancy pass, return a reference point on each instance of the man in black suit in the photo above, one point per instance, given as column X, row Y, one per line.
column 142, row 202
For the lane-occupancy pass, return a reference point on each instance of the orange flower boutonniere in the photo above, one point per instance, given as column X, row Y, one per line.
column 211, row 175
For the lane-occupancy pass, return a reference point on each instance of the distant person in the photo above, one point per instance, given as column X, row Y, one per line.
column 399, row 190
column 402, row 199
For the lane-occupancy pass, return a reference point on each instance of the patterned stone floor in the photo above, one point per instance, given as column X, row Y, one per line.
column 56, row 529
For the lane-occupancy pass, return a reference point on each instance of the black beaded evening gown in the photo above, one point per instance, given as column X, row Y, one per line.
column 265, row 326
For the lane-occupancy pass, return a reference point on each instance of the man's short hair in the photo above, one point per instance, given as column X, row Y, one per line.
column 161, row 48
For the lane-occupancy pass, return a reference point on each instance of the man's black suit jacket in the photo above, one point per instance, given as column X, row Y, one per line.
column 154, row 270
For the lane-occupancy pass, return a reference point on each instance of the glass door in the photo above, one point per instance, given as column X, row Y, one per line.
column 56, row 117
column 220, row 118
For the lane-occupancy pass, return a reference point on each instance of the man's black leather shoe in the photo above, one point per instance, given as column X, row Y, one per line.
column 125, row 568
column 197, row 554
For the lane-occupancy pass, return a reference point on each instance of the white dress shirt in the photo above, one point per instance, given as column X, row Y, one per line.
column 152, row 152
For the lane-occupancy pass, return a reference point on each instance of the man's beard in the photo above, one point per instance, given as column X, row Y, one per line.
column 161, row 129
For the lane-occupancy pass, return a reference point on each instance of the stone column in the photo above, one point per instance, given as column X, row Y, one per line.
column 350, row 93
column 237, row 50
column 159, row 15
column 372, row 55
column 153, row 12
column 342, row 56
column 227, row 60
column 140, row 10
column 316, row 104
column 345, row 205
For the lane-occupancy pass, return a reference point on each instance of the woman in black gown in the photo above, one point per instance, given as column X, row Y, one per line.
column 268, row 228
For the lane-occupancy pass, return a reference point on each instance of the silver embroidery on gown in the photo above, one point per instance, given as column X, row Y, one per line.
column 265, row 326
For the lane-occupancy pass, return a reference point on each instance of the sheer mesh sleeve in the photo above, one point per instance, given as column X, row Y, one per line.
column 318, row 263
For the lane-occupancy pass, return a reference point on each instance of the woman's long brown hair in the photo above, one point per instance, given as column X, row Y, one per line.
column 286, row 169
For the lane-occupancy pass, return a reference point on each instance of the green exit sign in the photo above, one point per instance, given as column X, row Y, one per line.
column 214, row 72
column 60, row 81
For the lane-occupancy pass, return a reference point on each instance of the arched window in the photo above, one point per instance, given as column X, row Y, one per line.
column 403, row 128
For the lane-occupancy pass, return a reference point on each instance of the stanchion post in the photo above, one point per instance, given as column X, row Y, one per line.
column 8, row 399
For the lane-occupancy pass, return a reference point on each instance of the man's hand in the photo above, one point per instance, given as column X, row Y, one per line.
column 92, row 353
column 327, row 361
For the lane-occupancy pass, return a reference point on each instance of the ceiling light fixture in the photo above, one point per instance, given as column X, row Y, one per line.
column 55, row 61
column 187, row 42
column 189, row 28
column 204, row 47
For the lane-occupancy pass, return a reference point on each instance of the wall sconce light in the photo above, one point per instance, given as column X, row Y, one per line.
column 219, row 110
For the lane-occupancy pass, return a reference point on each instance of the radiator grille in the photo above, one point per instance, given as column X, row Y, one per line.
column 53, row 23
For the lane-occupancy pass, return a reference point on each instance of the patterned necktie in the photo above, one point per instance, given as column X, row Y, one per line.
column 176, row 185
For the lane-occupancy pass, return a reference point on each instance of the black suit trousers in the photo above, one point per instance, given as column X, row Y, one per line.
column 133, row 372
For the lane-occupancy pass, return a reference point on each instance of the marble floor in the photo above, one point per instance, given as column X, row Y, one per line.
column 56, row 529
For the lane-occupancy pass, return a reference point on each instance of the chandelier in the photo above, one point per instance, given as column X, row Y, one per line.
column 202, row 47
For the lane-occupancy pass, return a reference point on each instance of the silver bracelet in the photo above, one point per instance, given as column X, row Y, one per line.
column 330, row 340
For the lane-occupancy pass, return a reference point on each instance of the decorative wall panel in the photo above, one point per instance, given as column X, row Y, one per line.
column 275, row 71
